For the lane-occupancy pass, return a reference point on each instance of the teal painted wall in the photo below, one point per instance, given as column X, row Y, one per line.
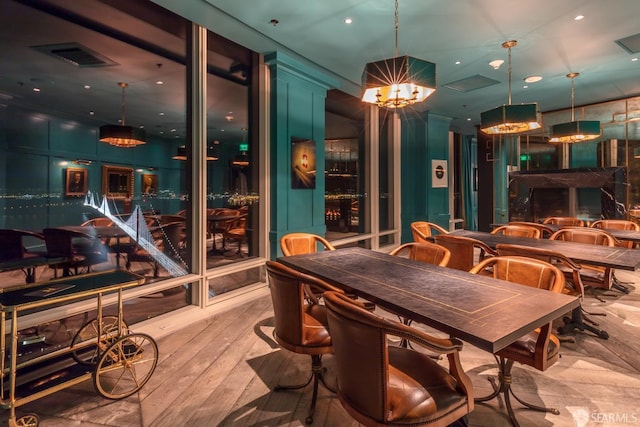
column 297, row 103
column 425, row 137
column 36, row 150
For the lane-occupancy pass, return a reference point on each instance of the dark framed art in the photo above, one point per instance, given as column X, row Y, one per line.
column 117, row 182
column 76, row 182
column 303, row 163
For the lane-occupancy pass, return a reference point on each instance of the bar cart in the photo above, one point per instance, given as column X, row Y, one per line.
column 118, row 361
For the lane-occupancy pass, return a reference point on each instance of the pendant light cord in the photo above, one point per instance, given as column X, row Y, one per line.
column 123, row 86
column 572, row 98
column 396, row 27
column 509, row 73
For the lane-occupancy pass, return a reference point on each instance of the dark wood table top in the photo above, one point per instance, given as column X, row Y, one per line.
column 483, row 311
column 604, row 256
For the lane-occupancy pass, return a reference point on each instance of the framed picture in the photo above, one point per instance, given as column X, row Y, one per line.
column 117, row 182
column 76, row 182
column 303, row 163
column 149, row 184
column 439, row 177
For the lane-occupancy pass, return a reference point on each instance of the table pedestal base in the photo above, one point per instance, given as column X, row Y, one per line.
column 504, row 387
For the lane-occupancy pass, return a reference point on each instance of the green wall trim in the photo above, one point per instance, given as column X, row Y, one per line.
column 288, row 64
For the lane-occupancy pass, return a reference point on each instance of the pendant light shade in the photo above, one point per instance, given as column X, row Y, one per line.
column 399, row 81
column 122, row 135
column 575, row 131
column 510, row 119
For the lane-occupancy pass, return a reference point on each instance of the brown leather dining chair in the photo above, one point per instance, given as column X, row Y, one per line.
column 380, row 384
column 564, row 220
column 300, row 322
column 303, row 243
column 545, row 230
column 573, row 285
column 428, row 252
column 592, row 276
column 518, row 230
column 423, row 230
column 540, row 348
column 463, row 250
column 618, row 224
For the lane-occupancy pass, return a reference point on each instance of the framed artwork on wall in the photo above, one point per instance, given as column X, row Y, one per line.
column 76, row 182
column 149, row 185
column 117, row 182
column 439, row 178
column 303, row 163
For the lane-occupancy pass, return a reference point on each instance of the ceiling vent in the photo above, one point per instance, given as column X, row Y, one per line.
column 75, row 54
column 471, row 83
column 631, row 44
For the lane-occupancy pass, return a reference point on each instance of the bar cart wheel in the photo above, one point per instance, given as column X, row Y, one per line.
column 125, row 366
column 28, row 420
column 89, row 331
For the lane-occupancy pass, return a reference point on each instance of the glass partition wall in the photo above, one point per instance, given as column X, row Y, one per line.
column 72, row 72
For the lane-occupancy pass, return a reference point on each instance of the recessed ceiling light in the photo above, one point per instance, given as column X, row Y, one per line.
column 161, row 114
column 159, row 82
column 36, row 89
column 458, row 62
column 634, row 59
column 532, row 79
column 348, row 20
column 496, row 63
column 91, row 113
column 87, row 87
column 525, row 86
column 468, row 119
column 578, row 17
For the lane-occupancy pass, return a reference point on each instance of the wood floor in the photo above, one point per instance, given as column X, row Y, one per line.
column 220, row 371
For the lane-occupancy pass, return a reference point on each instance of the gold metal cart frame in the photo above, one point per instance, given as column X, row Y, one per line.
column 118, row 361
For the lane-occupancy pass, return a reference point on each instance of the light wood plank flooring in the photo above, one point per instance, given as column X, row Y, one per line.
column 220, row 371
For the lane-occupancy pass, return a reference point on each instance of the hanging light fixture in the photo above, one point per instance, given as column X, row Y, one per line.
column 575, row 131
column 509, row 119
column 399, row 81
column 122, row 135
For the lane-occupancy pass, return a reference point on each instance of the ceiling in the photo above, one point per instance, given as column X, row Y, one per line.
column 550, row 44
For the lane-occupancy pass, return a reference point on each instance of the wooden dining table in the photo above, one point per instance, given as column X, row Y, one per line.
column 582, row 253
column 485, row 312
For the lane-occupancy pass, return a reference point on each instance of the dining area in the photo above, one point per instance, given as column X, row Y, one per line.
column 485, row 307
column 594, row 382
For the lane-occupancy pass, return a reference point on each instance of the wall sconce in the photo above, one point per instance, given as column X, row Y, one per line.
column 82, row 162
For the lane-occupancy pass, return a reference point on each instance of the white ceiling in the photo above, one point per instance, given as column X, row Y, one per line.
column 550, row 44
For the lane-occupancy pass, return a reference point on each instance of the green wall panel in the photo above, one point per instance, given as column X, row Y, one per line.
column 298, row 95
column 425, row 137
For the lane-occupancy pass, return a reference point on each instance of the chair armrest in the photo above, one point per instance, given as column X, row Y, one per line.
column 439, row 229
column 438, row 345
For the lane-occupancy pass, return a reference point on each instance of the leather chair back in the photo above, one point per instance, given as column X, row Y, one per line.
column 591, row 236
column 427, row 252
column 545, row 231
column 463, row 250
column 564, row 220
column 299, row 327
column 518, row 230
column 381, row 384
column 422, row 230
column 303, row 243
